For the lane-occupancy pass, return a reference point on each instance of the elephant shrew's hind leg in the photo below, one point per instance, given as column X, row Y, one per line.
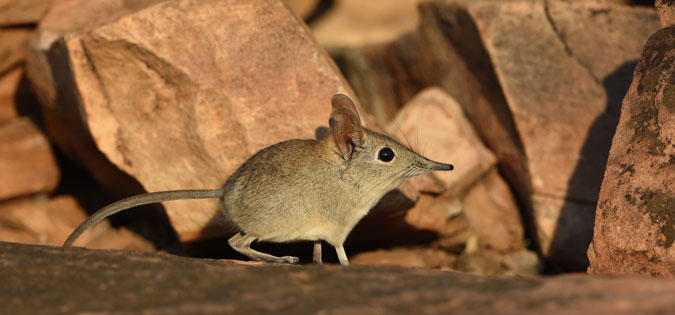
column 242, row 244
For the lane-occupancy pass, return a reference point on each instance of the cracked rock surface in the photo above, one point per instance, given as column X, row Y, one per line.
column 41, row 279
column 563, row 76
column 128, row 86
column 635, row 221
column 542, row 82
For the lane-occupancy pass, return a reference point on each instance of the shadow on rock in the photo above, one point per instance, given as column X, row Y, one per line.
column 589, row 172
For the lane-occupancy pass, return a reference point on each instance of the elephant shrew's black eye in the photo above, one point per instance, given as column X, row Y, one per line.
column 386, row 155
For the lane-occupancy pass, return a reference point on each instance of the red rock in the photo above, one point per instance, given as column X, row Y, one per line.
column 9, row 83
column 427, row 183
column 71, row 16
column 541, row 81
column 436, row 121
column 444, row 215
column 487, row 211
column 564, row 138
column 49, row 222
column 356, row 23
column 80, row 16
column 302, row 8
column 635, row 218
column 493, row 214
column 44, row 278
column 26, row 161
column 433, row 213
column 482, row 262
column 554, row 226
column 406, row 257
column 485, row 262
column 177, row 111
column 121, row 238
column 522, row 262
column 619, row 32
column 666, row 12
column 436, row 125
column 13, row 47
column 20, row 12
column 64, row 123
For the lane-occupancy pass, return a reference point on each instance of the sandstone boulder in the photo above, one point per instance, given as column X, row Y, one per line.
column 53, row 84
column 444, row 215
column 182, row 107
column 49, row 222
column 351, row 23
column 666, row 11
column 435, row 125
column 14, row 43
column 22, row 12
column 303, row 8
column 492, row 212
column 487, row 262
column 635, row 219
column 474, row 188
column 475, row 261
column 421, row 257
column 9, row 84
column 542, row 81
column 27, row 164
column 45, row 222
column 43, row 279
column 472, row 204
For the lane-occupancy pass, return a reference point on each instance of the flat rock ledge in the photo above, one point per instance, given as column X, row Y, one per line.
column 40, row 279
